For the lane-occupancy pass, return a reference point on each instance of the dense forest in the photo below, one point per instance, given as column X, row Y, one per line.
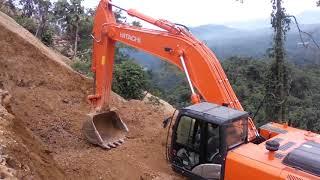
column 66, row 27
column 247, row 77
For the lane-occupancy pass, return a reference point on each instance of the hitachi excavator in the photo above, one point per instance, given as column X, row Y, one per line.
column 212, row 139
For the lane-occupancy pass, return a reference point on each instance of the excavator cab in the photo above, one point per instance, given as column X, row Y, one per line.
column 202, row 136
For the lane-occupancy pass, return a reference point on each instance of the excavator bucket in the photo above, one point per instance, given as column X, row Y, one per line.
column 105, row 129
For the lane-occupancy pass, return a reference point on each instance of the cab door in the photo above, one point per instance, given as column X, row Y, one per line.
column 211, row 166
column 196, row 148
column 187, row 143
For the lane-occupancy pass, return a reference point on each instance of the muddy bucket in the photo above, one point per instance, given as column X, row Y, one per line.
column 105, row 129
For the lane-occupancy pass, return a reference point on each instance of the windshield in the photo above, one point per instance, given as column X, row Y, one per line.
column 236, row 133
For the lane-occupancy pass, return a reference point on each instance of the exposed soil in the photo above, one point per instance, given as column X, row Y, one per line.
column 22, row 155
column 49, row 106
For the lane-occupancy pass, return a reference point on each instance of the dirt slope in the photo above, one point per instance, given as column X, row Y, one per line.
column 50, row 99
column 22, row 155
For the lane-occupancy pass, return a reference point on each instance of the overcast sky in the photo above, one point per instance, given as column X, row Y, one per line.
column 200, row 12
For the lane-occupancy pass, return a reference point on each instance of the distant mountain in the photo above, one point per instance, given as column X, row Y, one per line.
column 251, row 25
column 228, row 41
column 146, row 60
column 211, row 31
column 255, row 43
column 306, row 17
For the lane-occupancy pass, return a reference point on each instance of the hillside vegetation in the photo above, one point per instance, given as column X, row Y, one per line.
column 66, row 26
column 247, row 77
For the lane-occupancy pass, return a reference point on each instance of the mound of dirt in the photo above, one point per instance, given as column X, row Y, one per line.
column 151, row 99
column 49, row 105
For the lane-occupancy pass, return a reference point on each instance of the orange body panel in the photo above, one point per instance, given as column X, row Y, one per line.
column 242, row 167
column 251, row 161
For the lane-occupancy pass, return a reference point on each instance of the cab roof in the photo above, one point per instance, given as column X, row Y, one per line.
column 214, row 113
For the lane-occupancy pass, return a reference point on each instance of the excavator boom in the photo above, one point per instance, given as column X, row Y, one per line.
column 174, row 44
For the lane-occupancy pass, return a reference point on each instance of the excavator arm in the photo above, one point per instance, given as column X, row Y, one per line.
column 174, row 44
column 204, row 69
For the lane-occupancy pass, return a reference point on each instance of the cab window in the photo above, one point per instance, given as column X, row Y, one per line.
column 236, row 133
column 213, row 142
column 188, row 142
column 188, row 132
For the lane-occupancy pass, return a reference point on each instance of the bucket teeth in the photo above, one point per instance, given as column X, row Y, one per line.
column 112, row 145
column 107, row 147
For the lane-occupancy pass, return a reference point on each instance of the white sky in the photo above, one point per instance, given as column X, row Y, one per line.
column 200, row 12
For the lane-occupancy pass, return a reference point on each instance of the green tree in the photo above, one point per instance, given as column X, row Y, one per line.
column 277, row 82
column 246, row 75
column 34, row 15
column 27, row 23
column 68, row 15
column 169, row 83
column 85, row 29
column 28, row 7
column 129, row 80
column 8, row 7
column 43, row 13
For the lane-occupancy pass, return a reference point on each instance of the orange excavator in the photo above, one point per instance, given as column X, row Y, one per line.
column 212, row 139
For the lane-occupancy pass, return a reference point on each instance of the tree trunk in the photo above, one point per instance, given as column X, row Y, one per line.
column 279, row 55
column 38, row 29
column 1, row 3
column 76, row 42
